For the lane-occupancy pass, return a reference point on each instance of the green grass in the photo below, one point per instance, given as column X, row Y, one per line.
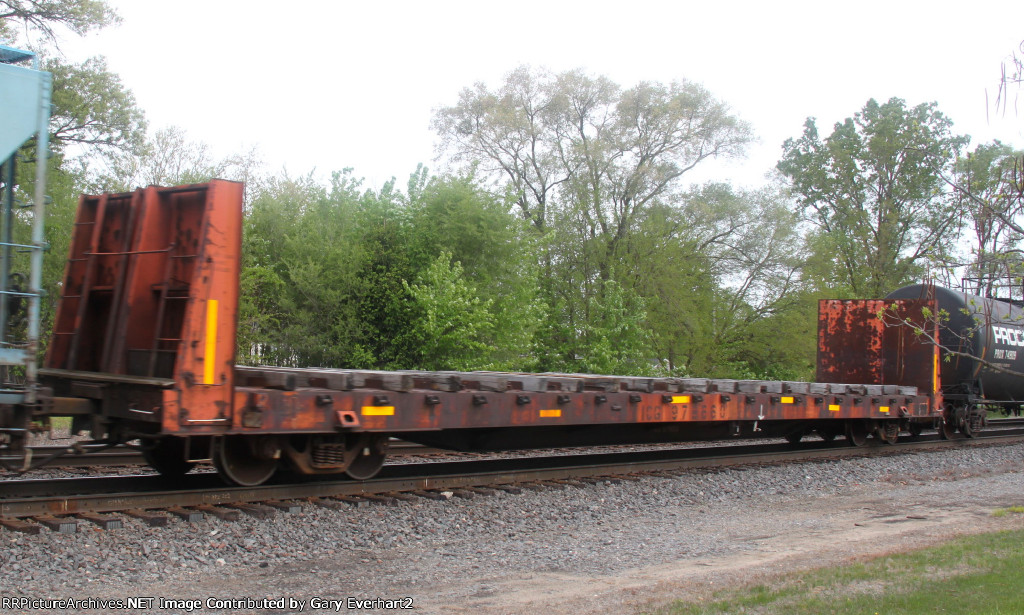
column 61, row 422
column 975, row 574
column 1002, row 512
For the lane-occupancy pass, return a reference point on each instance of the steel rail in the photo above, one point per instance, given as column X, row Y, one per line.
column 96, row 456
column 110, row 494
column 127, row 456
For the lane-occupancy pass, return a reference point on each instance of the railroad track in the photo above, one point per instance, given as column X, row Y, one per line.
column 62, row 503
column 96, row 456
column 100, row 456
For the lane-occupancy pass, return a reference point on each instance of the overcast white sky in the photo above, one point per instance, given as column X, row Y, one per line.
column 328, row 85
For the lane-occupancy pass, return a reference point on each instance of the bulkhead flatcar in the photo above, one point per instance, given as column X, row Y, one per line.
column 143, row 347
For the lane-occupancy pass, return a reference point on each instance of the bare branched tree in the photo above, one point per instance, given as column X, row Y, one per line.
column 989, row 186
column 1011, row 74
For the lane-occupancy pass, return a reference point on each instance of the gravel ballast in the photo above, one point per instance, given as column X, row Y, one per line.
column 510, row 553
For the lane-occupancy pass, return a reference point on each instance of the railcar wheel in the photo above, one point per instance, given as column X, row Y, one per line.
column 856, row 433
column 794, row 438
column 246, row 461
column 973, row 421
column 167, row 456
column 947, row 428
column 888, row 432
column 914, row 429
column 369, row 458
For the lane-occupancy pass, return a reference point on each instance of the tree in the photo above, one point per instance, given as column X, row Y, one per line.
column 987, row 194
column 91, row 109
column 43, row 16
column 496, row 252
column 508, row 133
column 332, row 249
column 585, row 161
column 712, row 271
column 1012, row 72
column 583, row 141
column 452, row 325
column 170, row 159
column 352, row 278
column 874, row 191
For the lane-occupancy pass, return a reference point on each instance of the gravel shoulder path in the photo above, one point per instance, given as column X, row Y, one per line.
column 607, row 548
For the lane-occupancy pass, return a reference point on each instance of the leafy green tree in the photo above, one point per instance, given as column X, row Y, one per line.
column 92, row 108
column 92, row 111
column 452, row 325
column 874, row 187
column 495, row 251
column 616, row 339
column 713, row 269
column 582, row 141
column 509, row 133
column 454, row 214
column 304, row 240
column 43, row 17
column 346, row 277
column 265, row 293
column 607, row 334
column 585, row 162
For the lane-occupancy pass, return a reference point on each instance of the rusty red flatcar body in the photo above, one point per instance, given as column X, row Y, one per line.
column 880, row 341
column 148, row 311
column 144, row 338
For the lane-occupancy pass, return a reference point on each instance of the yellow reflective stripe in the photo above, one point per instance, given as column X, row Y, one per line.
column 378, row 410
column 551, row 414
column 787, row 400
column 680, row 399
column 210, row 356
column 884, row 409
column 834, row 408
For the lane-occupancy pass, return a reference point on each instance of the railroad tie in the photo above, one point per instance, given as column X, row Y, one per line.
column 19, row 525
column 190, row 515
column 385, row 499
column 358, row 502
column 105, row 522
column 151, row 518
column 258, row 511
column 329, row 503
column 289, row 506
column 405, row 497
column 63, row 525
column 224, row 514
column 481, row 490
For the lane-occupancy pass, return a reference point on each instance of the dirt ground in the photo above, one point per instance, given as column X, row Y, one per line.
column 862, row 525
column 766, row 540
